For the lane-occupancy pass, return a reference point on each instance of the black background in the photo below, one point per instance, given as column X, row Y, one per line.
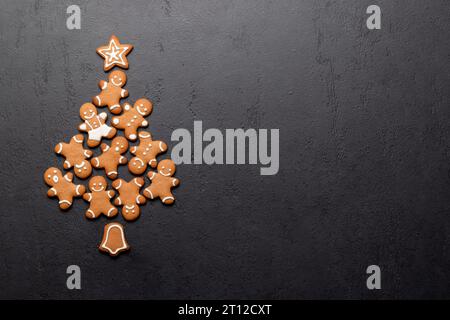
column 364, row 133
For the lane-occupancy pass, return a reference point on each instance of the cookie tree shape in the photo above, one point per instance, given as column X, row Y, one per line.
column 129, row 197
column 114, row 54
column 111, row 156
column 145, row 153
column 75, row 156
column 112, row 92
column 113, row 241
column 133, row 118
column 62, row 187
column 99, row 199
column 162, row 182
column 94, row 124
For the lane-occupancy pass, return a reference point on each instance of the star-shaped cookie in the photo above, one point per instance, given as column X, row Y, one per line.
column 114, row 54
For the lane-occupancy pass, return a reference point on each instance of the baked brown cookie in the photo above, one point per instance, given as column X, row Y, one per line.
column 99, row 199
column 145, row 153
column 112, row 92
column 114, row 53
column 133, row 118
column 113, row 241
column 129, row 197
column 111, row 157
column 94, row 125
column 162, row 182
column 75, row 156
column 62, row 187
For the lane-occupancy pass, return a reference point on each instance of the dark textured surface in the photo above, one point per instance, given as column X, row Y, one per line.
column 364, row 134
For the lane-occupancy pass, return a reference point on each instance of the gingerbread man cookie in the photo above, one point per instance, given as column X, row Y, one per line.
column 133, row 118
column 113, row 241
column 129, row 197
column 75, row 156
column 94, row 125
column 99, row 199
column 112, row 92
column 62, row 187
column 111, row 157
column 145, row 153
column 162, row 182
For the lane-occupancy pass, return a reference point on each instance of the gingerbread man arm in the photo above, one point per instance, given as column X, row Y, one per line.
column 133, row 149
column 111, row 193
column 82, row 127
column 151, row 174
column 123, row 160
column 52, row 192
column 68, row 176
column 124, row 93
column 139, row 181
column 104, row 147
column 87, row 197
column 175, row 182
column 140, row 199
column 117, row 183
column 102, row 84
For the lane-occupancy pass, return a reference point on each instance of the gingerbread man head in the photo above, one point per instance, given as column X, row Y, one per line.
column 88, row 111
column 97, row 184
column 118, row 78
column 166, row 168
column 143, row 106
column 119, row 145
column 52, row 176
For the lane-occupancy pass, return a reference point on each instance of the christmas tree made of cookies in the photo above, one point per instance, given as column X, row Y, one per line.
column 108, row 194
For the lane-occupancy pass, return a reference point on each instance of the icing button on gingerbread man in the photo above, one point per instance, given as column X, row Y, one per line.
column 112, row 92
column 129, row 197
column 162, row 182
column 145, row 153
column 112, row 157
column 94, row 125
column 99, row 199
column 62, row 187
column 75, row 156
column 133, row 118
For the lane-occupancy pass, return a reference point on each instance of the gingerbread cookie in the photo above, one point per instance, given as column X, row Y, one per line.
column 133, row 118
column 111, row 157
column 94, row 125
column 112, row 92
column 145, row 153
column 162, row 182
column 114, row 54
column 129, row 197
column 113, row 241
column 62, row 187
column 99, row 199
column 75, row 156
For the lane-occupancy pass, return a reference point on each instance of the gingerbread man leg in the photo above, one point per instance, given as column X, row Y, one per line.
column 111, row 211
column 111, row 170
column 92, row 212
column 111, row 133
column 151, row 192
